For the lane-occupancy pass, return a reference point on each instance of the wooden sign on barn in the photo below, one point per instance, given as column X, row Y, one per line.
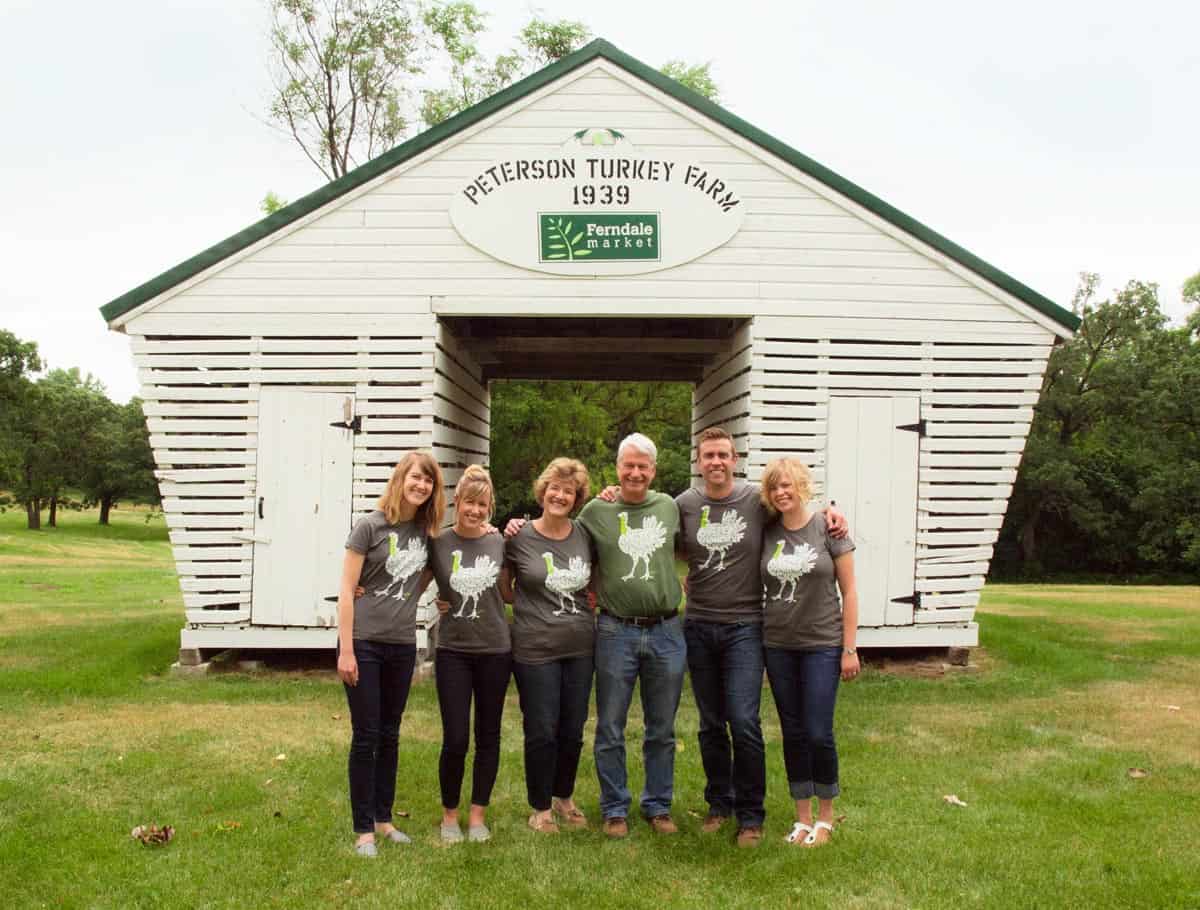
column 594, row 221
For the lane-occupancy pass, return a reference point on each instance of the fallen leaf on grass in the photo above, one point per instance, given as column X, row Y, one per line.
column 336, row 716
column 1173, row 707
column 839, row 819
column 954, row 800
column 281, row 757
column 268, row 781
column 152, row 835
column 401, row 815
column 694, row 814
column 679, row 747
column 1138, row 773
column 228, row 826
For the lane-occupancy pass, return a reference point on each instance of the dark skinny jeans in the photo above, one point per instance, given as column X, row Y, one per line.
column 805, row 685
column 460, row 677
column 385, row 672
column 554, row 707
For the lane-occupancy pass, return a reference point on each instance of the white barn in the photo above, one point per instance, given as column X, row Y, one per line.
column 596, row 220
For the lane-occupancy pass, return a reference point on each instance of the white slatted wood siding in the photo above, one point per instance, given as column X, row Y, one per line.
column 201, row 398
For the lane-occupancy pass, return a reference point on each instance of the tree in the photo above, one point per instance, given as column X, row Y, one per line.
column 1191, row 296
column 345, row 71
column 340, row 69
column 121, row 464
column 697, row 77
column 18, row 393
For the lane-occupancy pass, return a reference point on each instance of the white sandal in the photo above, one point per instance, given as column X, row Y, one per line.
column 811, row 840
column 798, row 832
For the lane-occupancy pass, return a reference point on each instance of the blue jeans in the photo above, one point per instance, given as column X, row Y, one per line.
column 726, row 664
column 554, row 704
column 385, row 673
column 805, row 685
column 656, row 655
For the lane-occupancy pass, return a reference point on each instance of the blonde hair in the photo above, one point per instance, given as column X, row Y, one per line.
column 433, row 510
column 475, row 483
column 565, row 471
column 792, row 469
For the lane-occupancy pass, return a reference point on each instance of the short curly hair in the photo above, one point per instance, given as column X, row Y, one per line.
column 792, row 469
column 567, row 471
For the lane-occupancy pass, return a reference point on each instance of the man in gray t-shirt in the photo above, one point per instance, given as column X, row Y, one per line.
column 722, row 526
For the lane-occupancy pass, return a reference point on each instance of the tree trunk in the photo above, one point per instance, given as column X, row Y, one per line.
column 1027, row 536
column 53, row 522
column 105, row 504
column 33, row 514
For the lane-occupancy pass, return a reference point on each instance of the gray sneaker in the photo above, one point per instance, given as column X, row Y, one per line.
column 478, row 833
column 452, row 834
column 396, row 836
column 367, row 849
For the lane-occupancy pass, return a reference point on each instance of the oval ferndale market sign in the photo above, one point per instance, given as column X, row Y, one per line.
column 597, row 207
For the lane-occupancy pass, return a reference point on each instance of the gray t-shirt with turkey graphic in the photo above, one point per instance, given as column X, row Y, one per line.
column 394, row 556
column 551, row 616
column 803, row 610
column 723, row 539
column 467, row 572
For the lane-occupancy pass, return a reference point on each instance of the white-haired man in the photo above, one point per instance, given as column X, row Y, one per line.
column 639, row 635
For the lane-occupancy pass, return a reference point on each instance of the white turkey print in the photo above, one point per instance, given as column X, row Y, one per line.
column 639, row 544
column 403, row 564
column 469, row 582
column 788, row 568
column 718, row 537
column 564, row 583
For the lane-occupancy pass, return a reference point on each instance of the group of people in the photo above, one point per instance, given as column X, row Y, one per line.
column 763, row 581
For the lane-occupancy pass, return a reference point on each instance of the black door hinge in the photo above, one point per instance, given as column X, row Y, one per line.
column 914, row 599
column 918, row 427
column 354, row 425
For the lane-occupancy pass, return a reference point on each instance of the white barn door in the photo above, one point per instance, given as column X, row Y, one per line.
column 871, row 473
column 302, row 505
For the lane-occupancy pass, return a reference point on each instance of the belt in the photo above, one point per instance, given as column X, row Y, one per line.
column 643, row 622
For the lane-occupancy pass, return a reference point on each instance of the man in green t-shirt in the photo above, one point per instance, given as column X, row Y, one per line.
column 639, row 635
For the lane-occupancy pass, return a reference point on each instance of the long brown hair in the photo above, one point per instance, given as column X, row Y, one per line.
column 432, row 512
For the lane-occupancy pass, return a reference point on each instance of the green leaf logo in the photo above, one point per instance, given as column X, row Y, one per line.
column 560, row 241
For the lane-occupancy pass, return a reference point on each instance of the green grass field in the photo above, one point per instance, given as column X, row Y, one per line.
column 1073, row 687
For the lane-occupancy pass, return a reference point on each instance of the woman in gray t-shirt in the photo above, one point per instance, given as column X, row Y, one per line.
column 554, row 636
column 809, row 639
column 385, row 558
column 474, row 655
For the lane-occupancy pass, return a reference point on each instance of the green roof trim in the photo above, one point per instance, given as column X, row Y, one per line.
column 598, row 48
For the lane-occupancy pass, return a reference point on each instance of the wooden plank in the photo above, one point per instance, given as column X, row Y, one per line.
column 777, row 374
column 451, row 412
column 168, row 488
column 940, row 585
column 964, row 475
column 962, row 614
column 185, row 425
column 200, row 616
column 952, row 522
column 941, row 570
column 951, row 491
column 925, row 635
column 935, row 428
column 305, row 376
column 176, row 458
column 944, row 555
column 927, row 537
column 971, row 460
column 785, row 443
column 972, row 444
column 976, row 357
column 208, row 393
column 175, row 504
column 736, row 363
column 243, row 317
column 166, row 441
column 960, row 506
column 204, row 475
column 188, row 538
column 938, row 601
column 737, row 387
column 187, row 554
column 195, row 522
column 229, row 568
column 238, row 585
column 192, row 345
column 208, row 409
column 739, row 407
column 862, row 363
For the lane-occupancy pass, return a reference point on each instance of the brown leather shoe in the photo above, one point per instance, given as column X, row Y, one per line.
column 713, row 823
column 662, row 824
column 750, row 836
column 616, row 827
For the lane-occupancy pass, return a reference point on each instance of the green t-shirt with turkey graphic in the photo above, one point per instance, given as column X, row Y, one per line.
column 634, row 544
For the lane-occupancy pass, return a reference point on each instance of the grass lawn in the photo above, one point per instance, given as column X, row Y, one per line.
column 1070, row 690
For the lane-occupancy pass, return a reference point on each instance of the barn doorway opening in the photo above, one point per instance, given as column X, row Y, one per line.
column 576, row 386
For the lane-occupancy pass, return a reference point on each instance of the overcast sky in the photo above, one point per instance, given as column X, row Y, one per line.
column 1048, row 138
